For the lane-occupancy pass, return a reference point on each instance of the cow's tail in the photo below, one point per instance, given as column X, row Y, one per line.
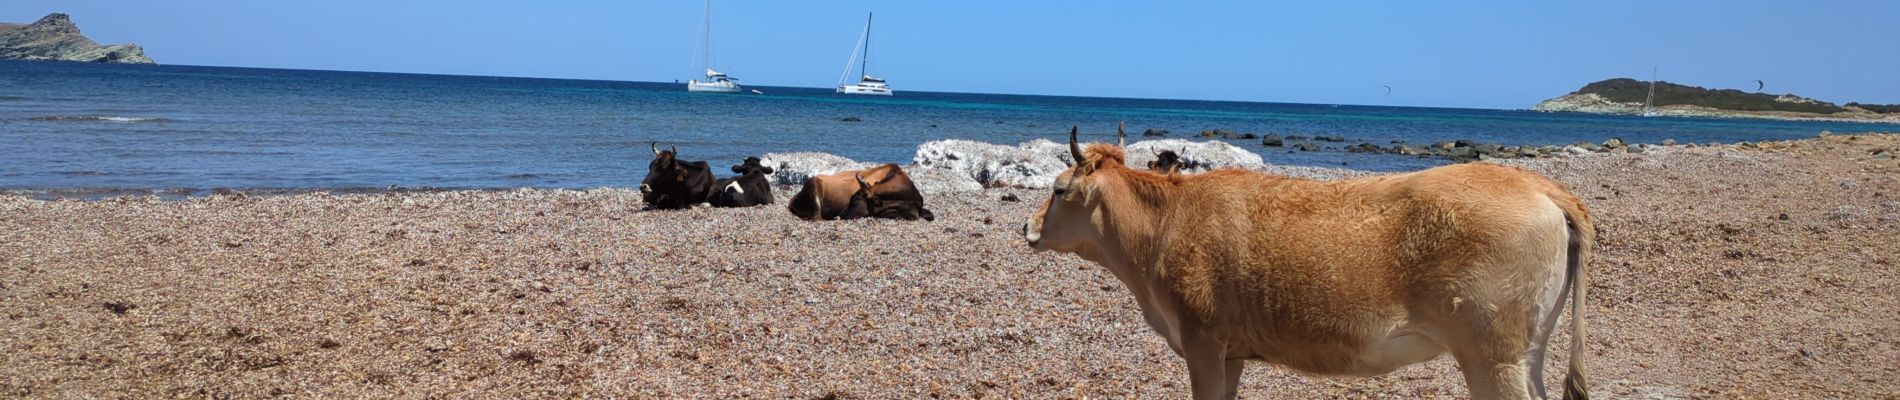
column 1583, row 234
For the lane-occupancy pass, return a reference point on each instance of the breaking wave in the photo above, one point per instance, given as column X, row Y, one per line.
column 97, row 118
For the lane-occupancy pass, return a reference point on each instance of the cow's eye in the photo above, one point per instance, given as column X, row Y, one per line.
column 1061, row 189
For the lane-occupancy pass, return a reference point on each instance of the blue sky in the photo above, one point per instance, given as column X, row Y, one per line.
column 1484, row 55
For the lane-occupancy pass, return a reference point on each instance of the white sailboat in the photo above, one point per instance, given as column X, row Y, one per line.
column 867, row 84
column 716, row 82
column 1649, row 103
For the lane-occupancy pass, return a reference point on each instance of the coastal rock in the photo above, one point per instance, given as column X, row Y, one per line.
column 1329, row 138
column 938, row 180
column 1154, row 132
column 1208, row 155
column 850, row 119
column 1272, row 140
column 56, row 38
column 1033, row 164
column 1587, row 103
column 794, row 168
column 1306, row 147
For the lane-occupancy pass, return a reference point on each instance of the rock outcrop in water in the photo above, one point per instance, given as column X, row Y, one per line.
column 54, row 37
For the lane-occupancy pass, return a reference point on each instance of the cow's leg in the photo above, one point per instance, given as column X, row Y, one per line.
column 1234, row 367
column 1207, row 369
column 1490, row 347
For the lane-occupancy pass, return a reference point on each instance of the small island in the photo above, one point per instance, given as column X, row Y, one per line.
column 56, row 38
column 1626, row 96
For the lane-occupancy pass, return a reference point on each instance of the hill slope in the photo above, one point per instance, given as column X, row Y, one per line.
column 1625, row 96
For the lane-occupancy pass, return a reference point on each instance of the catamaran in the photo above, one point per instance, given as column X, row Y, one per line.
column 867, row 84
column 716, row 82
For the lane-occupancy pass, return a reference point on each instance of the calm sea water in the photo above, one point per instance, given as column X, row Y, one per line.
column 102, row 127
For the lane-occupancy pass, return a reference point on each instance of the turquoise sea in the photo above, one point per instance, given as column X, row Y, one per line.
column 80, row 127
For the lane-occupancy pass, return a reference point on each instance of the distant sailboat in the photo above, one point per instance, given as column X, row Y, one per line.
column 1649, row 103
column 716, row 82
column 867, row 84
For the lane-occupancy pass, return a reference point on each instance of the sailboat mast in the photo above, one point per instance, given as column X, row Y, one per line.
column 865, row 69
column 706, row 36
column 1649, row 102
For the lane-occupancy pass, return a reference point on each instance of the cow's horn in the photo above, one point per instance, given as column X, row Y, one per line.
column 1075, row 150
column 655, row 146
column 860, row 178
column 1121, row 134
column 673, row 149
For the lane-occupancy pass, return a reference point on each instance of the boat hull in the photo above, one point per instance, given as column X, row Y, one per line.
column 712, row 87
column 864, row 90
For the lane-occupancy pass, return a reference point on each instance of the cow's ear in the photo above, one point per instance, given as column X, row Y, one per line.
column 765, row 169
column 738, row 169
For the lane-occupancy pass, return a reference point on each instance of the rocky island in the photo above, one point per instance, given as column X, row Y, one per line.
column 1626, row 96
column 54, row 37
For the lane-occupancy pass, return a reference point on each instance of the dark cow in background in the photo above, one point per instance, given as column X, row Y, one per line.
column 750, row 188
column 1168, row 162
column 866, row 203
column 827, row 196
column 672, row 184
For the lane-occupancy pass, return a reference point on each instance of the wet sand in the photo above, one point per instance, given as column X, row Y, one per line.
column 1762, row 271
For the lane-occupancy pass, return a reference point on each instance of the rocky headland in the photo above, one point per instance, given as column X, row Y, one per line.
column 1624, row 96
column 56, row 38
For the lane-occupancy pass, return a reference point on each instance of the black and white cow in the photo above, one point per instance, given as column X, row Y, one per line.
column 750, row 188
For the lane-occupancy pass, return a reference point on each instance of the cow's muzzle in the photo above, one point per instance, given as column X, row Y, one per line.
column 644, row 189
column 1031, row 235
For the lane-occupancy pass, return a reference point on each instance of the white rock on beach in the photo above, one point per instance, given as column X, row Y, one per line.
column 794, row 168
column 1211, row 155
column 1033, row 164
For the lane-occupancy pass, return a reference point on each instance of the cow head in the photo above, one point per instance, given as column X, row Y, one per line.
column 1167, row 162
column 750, row 166
column 866, row 203
column 862, row 203
column 1072, row 218
column 665, row 177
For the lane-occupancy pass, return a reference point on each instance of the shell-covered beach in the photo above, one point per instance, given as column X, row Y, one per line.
column 1764, row 270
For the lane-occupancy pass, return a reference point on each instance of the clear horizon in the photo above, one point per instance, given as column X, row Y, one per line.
column 1433, row 55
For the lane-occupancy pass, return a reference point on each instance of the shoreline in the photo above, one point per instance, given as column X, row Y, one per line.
column 955, row 165
column 1720, row 272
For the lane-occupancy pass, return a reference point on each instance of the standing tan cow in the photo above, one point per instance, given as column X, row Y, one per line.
column 1355, row 277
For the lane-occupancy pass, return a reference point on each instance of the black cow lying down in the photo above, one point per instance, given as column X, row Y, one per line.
column 672, row 184
column 750, row 188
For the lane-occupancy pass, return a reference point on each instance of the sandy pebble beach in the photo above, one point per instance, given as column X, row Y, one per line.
column 1763, row 271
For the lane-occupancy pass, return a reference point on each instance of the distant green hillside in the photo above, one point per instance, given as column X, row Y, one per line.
column 1625, row 90
column 1879, row 108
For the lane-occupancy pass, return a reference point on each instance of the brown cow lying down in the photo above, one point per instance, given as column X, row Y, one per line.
column 1349, row 277
column 828, row 196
